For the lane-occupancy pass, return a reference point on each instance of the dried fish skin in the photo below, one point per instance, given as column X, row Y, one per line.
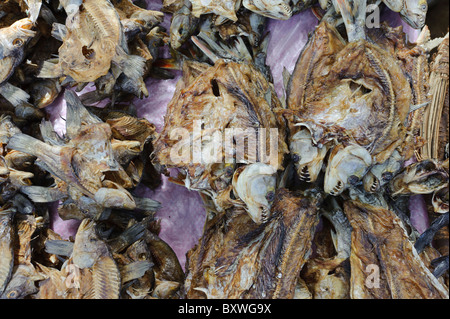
column 88, row 247
column 402, row 273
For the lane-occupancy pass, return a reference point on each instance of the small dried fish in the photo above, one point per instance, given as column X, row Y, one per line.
column 94, row 39
column 12, row 43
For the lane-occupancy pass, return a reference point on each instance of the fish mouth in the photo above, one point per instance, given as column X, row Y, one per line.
column 416, row 23
column 25, row 28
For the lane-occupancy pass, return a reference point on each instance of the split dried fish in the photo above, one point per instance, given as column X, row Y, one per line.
column 358, row 137
column 403, row 276
column 236, row 258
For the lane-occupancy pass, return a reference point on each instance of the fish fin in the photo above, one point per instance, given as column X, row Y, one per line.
column 128, row 237
column 34, row 7
column 77, row 114
column 50, row 70
column 39, row 194
column 146, row 204
column 48, row 156
column 13, row 95
column 59, row 31
column 59, row 247
column 131, row 65
column 134, row 270
column 49, row 135
column 286, row 77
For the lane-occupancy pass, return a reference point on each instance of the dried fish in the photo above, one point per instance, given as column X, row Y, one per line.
column 12, row 43
column 225, row 96
column 368, row 134
column 93, row 41
column 236, row 258
column 403, row 276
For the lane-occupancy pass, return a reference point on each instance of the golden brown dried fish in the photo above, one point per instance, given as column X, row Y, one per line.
column 89, row 251
column 94, row 39
column 236, row 258
column 392, row 267
column 423, row 177
column 231, row 101
column 128, row 10
column 358, row 114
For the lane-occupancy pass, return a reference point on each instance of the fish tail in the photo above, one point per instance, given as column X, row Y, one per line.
column 50, row 70
column 131, row 65
column 30, row 145
column 39, row 194
column 13, row 95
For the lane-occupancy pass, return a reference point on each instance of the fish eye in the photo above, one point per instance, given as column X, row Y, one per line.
column 142, row 256
column 18, row 42
column 424, row 7
column 12, row 294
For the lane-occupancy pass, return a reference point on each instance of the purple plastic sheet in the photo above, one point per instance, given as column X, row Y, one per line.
column 182, row 214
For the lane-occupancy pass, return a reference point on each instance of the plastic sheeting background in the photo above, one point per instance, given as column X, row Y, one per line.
column 182, row 215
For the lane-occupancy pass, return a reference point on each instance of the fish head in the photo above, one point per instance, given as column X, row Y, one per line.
column 255, row 185
column 346, row 166
column 307, row 156
column 424, row 177
column 382, row 173
column 14, row 37
column 414, row 13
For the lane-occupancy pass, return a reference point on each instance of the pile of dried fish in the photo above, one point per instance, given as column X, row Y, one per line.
column 306, row 198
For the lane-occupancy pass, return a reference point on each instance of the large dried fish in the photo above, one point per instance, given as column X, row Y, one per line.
column 396, row 268
column 356, row 111
column 236, row 258
column 228, row 96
